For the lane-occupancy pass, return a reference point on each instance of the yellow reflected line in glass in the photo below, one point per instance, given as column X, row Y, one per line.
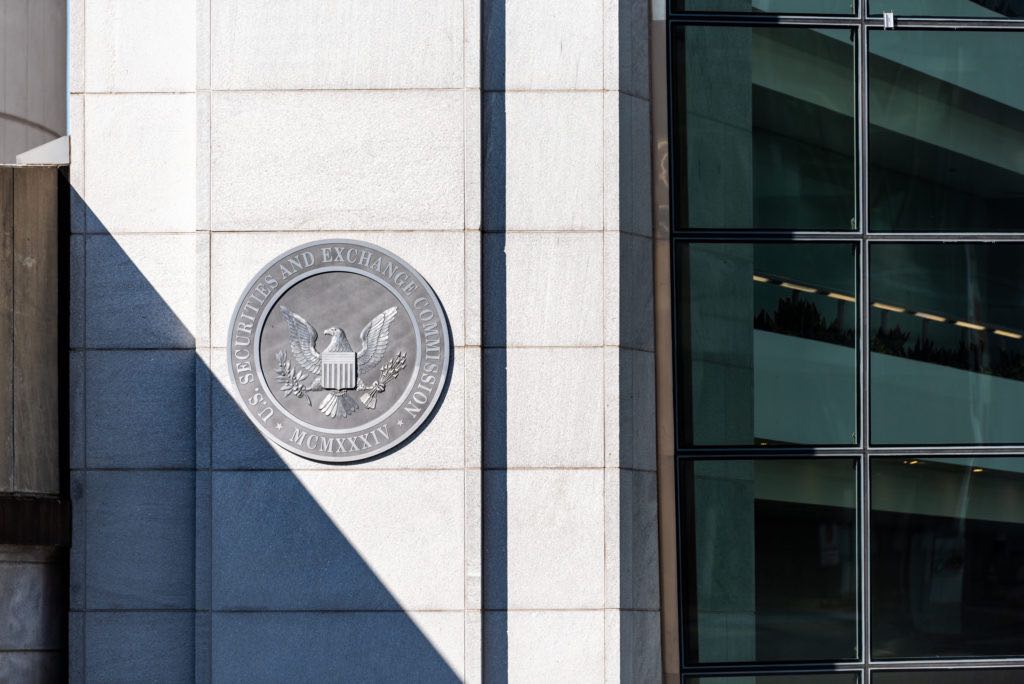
column 798, row 288
column 842, row 297
column 977, row 470
column 760, row 279
column 889, row 307
column 970, row 326
column 1007, row 333
column 929, row 317
column 912, row 461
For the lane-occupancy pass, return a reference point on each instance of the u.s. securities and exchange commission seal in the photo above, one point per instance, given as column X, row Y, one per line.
column 339, row 350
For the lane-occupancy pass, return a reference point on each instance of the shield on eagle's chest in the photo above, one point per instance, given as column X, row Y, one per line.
column 338, row 370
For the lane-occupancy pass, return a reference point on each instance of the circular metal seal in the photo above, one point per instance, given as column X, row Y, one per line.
column 339, row 350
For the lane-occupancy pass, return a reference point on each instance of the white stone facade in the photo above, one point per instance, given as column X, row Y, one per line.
column 502, row 149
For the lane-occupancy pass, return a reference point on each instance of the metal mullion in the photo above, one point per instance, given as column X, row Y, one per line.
column 959, row 23
column 753, row 452
column 746, row 669
column 947, row 237
column 762, row 236
column 995, row 451
column 948, row 664
column 736, row 19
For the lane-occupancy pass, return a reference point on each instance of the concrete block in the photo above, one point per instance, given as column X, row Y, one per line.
column 544, row 44
column 320, row 647
column 627, row 164
column 140, row 409
column 140, row 46
column 626, row 47
column 629, row 424
column 76, row 46
column 76, row 569
column 337, row 44
column 76, row 306
column 139, row 647
column 543, row 157
column 544, row 535
column 629, row 288
column 140, row 530
column 553, row 403
column 76, row 408
column 635, row 637
column 237, row 444
column 31, row 606
column 141, row 291
column 341, row 539
column 237, row 257
column 76, row 647
column 151, row 139
column 31, row 666
column 636, row 528
column 544, row 646
column 549, row 289
column 337, row 160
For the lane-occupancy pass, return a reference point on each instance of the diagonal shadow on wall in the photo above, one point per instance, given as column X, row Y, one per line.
column 198, row 552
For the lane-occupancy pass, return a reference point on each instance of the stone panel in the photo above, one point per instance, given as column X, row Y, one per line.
column 353, row 646
column 555, row 407
column 546, row 646
column 140, row 173
column 139, row 647
column 140, row 530
column 141, row 291
column 550, row 287
column 337, row 160
column 338, row 540
column 140, row 46
column 554, row 539
column 311, row 44
column 548, row 44
column 140, row 409
column 548, row 147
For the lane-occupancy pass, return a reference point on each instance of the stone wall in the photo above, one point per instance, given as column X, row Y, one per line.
column 516, row 535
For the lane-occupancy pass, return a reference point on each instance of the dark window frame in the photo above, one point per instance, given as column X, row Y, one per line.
column 862, row 24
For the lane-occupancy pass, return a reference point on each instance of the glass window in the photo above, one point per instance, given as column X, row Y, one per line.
column 769, row 6
column 770, row 553
column 947, row 560
column 766, row 335
column 947, row 342
column 764, row 128
column 979, row 676
column 815, row 678
column 949, row 8
column 946, row 130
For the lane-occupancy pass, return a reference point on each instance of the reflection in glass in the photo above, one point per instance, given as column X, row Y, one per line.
column 946, row 130
column 830, row 678
column 947, row 557
column 947, row 342
column 989, row 9
column 766, row 335
column 764, row 126
column 979, row 676
column 770, row 562
column 769, row 6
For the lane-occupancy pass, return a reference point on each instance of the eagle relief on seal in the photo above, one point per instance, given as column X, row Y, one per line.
column 338, row 368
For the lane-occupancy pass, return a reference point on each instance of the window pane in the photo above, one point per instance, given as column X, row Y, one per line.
column 831, row 678
column 980, row 676
column 947, row 557
column 991, row 9
column 947, row 362
column 770, row 6
column 766, row 335
column 946, row 130
column 764, row 130
column 770, row 561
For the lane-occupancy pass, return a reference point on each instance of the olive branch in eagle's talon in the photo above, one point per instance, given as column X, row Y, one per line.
column 388, row 372
column 291, row 378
